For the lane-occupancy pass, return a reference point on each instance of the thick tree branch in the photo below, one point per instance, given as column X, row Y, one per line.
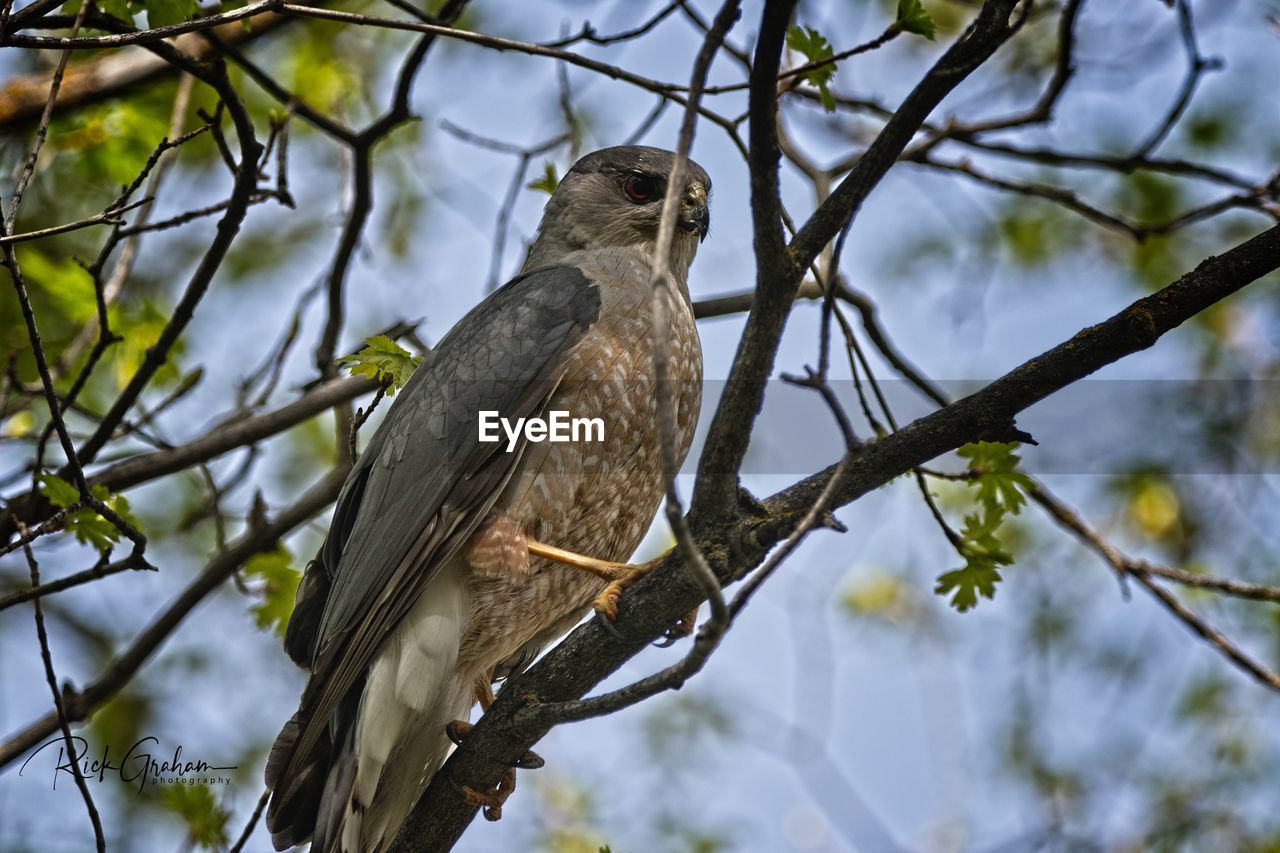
column 779, row 272
column 776, row 282
column 590, row 654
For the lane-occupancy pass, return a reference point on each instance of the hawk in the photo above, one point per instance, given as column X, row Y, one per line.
column 452, row 561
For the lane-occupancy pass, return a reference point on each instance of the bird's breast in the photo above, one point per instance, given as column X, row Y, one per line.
column 596, row 495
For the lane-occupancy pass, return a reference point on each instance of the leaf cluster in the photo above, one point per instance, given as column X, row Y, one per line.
column 198, row 808
column 89, row 527
column 279, row 588
column 384, row 360
column 999, row 491
column 814, row 47
column 914, row 19
column 548, row 182
column 160, row 13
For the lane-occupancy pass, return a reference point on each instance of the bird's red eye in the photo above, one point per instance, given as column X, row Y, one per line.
column 638, row 188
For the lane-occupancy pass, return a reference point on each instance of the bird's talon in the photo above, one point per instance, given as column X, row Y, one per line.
column 457, row 730
column 530, row 761
column 678, row 631
column 684, row 628
column 490, row 802
column 606, row 603
column 607, row 624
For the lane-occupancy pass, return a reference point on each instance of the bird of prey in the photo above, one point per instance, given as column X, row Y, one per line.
column 453, row 561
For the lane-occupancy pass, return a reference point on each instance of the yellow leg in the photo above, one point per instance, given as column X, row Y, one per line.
column 619, row 575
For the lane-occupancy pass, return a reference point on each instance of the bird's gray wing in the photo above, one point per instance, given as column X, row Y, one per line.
column 426, row 481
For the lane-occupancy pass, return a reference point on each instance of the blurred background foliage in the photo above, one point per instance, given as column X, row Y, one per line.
column 855, row 710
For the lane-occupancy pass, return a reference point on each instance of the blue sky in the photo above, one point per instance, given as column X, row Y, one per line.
column 901, row 726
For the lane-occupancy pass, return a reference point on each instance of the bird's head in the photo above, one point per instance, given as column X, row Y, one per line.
column 614, row 198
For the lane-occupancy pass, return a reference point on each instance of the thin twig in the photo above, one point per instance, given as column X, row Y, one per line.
column 102, row 570
column 105, row 217
column 1141, row 572
column 51, row 678
column 253, row 821
column 122, row 668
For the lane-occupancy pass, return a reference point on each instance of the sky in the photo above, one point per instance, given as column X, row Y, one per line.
column 811, row 729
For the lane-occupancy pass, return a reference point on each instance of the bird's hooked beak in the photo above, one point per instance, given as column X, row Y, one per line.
column 695, row 214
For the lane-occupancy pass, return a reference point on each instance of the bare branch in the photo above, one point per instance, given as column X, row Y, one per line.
column 246, row 179
column 233, row 433
column 51, row 678
column 108, row 216
column 362, row 185
column 102, row 570
column 779, row 271
column 1141, row 571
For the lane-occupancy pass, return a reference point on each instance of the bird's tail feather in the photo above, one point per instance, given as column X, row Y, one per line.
column 413, row 691
column 356, row 786
column 335, row 808
column 291, row 815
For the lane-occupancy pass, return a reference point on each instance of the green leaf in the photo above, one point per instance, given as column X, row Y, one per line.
column 164, row 13
column 983, row 553
column 59, row 492
column 120, row 9
column 206, row 821
column 69, row 286
column 815, row 48
column 385, row 360
column 19, row 425
column 279, row 589
column 140, row 326
column 548, row 182
column 1001, row 486
column 89, row 527
column 912, row 18
column 976, row 578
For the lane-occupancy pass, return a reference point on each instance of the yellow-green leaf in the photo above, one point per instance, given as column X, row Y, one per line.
column 385, row 360
column 279, row 588
column 548, row 182
column 198, row 808
column 815, row 48
column 912, row 18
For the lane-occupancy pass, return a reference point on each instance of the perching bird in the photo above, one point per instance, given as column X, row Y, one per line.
column 425, row 586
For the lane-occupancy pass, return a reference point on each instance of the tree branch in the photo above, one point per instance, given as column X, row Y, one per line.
column 232, row 434
column 81, row 704
column 779, row 271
